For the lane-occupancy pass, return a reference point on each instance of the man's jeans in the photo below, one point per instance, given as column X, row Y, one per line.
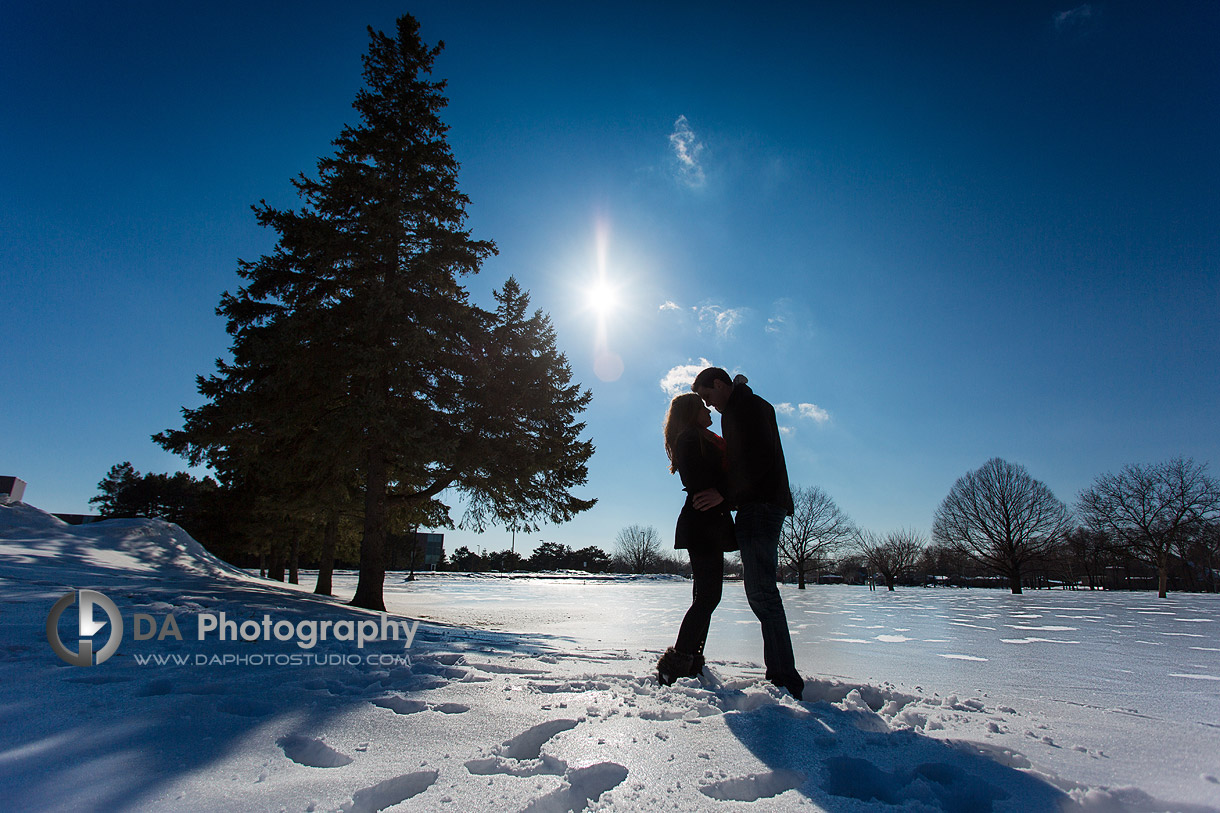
column 758, row 529
column 707, row 570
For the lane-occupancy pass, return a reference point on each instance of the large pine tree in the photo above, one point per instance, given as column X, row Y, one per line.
column 358, row 359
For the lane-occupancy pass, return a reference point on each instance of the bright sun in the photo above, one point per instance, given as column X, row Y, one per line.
column 602, row 298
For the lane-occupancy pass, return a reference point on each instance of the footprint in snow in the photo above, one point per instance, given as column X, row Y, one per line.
column 448, row 658
column 401, row 705
column 942, row 786
column 528, row 744
column 439, row 670
column 754, row 786
column 584, row 785
column 312, row 753
column 574, row 686
column 501, row 669
column 390, row 792
column 522, row 755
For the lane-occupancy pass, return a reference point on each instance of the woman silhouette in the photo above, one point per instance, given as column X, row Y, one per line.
column 697, row 455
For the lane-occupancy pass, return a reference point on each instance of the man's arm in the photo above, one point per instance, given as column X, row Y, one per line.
column 706, row 499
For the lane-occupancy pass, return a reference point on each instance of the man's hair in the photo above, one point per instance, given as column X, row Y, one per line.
column 705, row 378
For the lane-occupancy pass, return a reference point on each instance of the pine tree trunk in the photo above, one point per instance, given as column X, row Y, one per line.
column 1162, row 572
column 275, row 568
column 413, row 537
column 1014, row 582
column 294, row 559
column 372, row 546
column 326, row 567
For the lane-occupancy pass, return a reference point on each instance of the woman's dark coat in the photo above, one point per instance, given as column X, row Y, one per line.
column 700, row 464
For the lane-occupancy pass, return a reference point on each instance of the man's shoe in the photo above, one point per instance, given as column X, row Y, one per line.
column 696, row 666
column 793, row 683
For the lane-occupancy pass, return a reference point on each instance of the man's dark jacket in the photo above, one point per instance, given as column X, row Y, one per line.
column 757, row 472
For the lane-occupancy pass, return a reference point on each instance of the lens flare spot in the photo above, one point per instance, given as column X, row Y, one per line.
column 608, row 366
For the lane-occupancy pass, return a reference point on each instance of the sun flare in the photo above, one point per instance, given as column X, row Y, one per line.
column 602, row 298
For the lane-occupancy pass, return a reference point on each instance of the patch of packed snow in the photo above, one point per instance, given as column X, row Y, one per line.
column 537, row 694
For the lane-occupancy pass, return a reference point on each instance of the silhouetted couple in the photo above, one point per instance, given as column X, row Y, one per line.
column 745, row 472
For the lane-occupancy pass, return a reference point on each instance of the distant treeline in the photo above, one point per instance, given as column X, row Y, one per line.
column 1084, row 560
column 1153, row 527
column 1145, row 527
column 246, row 533
column 547, row 556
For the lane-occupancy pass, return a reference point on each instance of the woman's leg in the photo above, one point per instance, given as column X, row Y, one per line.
column 707, row 568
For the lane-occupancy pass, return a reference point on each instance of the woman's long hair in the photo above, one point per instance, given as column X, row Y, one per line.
column 679, row 418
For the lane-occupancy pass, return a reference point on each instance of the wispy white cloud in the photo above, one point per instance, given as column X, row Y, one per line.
column 687, row 149
column 678, row 379
column 1073, row 17
column 811, row 411
column 814, row 413
column 720, row 320
column 709, row 318
column 790, row 320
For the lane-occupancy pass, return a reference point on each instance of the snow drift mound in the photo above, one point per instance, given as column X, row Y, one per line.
column 32, row 537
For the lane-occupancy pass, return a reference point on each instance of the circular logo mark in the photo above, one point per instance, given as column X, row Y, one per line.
column 87, row 627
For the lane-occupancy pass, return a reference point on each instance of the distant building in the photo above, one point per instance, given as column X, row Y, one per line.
column 428, row 550
column 434, row 549
column 78, row 519
column 12, row 489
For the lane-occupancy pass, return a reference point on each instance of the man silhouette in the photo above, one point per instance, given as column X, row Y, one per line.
column 759, row 490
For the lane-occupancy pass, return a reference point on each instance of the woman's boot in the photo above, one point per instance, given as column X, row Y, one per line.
column 673, row 665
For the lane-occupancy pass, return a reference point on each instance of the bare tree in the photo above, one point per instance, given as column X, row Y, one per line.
column 1151, row 510
column 814, row 532
column 1207, row 555
column 940, row 561
column 1002, row 518
column 638, row 547
column 1087, row 551
column 894, row 555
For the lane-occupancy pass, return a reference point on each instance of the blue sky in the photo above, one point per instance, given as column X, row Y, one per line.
column 930, row 235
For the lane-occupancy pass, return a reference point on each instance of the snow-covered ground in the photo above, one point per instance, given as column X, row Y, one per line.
column 528, row 694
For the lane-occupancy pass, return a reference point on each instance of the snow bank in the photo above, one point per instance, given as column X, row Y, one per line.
column 149, row 546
